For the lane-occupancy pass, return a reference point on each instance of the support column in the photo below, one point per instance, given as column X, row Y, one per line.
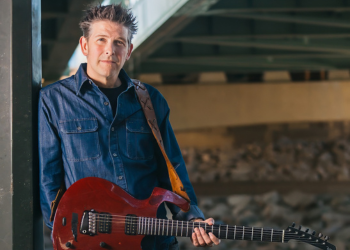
column 20, row 80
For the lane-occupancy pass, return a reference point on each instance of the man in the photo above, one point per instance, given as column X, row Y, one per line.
column 91, row 124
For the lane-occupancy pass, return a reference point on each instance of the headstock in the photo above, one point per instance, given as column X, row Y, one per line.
column 292, row 233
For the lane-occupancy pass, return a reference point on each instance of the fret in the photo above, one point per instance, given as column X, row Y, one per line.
column 167, row 228
column 212, row 228
column 205, row 227
column 187, row 230
column 271, row 234
column 262, row 233
column 155, row 227
column 234, row 236
column 177, row 226
column 149, row 225
column 163, row 227
column 182, row 227
column 193, row 228
column 159, row 227
column 144, row 226
column 282, row 236
column 243, row 234
column 219, row 231
column 172, row 226
column 226, row 230
column 252, row 232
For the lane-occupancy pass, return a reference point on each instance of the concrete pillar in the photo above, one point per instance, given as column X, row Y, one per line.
column 20, row 79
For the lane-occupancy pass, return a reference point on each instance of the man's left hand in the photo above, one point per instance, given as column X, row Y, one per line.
column 200, row 238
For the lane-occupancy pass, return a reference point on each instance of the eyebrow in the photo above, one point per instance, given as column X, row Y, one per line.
column 102, row 35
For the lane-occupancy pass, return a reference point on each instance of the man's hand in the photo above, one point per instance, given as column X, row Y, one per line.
column 200, row 238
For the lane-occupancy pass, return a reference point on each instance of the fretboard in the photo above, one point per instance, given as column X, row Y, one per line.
column 152, row 226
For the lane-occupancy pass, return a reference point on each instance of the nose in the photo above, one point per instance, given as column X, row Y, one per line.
column 109, row 49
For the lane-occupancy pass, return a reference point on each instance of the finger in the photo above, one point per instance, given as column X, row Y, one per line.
column 194, row 240
column 214, row 239
column 199, row 237
column 205, row 237
column 210, row 221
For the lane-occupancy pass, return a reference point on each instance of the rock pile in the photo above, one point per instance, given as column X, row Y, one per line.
column 282, row 160
column 329, row 214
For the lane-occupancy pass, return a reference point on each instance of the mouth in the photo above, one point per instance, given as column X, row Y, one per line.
column 108, row 61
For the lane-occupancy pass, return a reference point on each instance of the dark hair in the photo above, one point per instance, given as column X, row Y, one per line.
column 112, row 12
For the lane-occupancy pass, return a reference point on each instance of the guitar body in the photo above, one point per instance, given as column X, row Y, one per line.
column 101, row 196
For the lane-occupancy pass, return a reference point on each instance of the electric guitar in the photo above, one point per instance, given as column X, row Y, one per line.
column 97, row 214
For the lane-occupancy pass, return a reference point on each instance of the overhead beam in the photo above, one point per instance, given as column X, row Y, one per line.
column 269, row 62
column 268, row 36
column 274, row 10
column 314, row 46
column 330, row 22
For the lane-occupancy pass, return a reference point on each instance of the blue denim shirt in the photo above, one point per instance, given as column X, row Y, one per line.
column 79, row 137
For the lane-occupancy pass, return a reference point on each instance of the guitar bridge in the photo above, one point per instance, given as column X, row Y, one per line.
column 93, row 222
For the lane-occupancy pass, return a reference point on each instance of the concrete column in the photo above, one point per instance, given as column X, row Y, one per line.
column 20, row 79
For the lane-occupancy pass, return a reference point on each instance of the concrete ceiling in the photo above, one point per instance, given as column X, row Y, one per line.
column 244, row 38
column 240, row 38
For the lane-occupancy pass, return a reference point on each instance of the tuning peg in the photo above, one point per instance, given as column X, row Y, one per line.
column 299, row 227
column 306, row 230
column 313, row 233
column 320, row 235
column 293, row 224
column 326, row 238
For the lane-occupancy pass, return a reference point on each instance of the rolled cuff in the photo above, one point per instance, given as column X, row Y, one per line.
column 193, row 213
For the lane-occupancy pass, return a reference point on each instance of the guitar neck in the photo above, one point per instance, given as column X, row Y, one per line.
column 152, row 226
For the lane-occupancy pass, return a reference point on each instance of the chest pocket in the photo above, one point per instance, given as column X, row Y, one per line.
column 139, row 139
column 80, row 139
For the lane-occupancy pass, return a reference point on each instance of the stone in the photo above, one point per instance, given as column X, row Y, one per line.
column 299, row 200
column 218, row 211
column 239, row 200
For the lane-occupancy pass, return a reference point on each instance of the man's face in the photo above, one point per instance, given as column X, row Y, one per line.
column 106, row 50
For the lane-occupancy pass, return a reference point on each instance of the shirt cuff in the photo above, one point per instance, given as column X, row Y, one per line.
column 193, row 213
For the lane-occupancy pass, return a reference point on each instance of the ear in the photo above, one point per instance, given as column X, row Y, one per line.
column 130, row 50
column 84, row 45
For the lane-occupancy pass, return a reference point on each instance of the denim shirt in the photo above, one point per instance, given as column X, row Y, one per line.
column 79, row 137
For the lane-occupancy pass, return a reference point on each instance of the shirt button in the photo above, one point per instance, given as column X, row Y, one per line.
column 114, row 154
column 106, row 103
column 112, row 128
column 120, row 177
column 78, row 128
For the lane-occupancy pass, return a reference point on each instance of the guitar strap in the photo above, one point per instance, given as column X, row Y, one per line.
column 148, row 110
column 150, row 115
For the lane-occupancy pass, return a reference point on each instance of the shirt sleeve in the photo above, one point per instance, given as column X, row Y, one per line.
column 174, row 154
column 50, row 159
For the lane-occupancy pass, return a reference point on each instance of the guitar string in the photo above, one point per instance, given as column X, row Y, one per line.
column 255, row 239
column 216, row 228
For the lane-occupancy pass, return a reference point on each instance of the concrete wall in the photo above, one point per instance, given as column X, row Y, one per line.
column 218, row 105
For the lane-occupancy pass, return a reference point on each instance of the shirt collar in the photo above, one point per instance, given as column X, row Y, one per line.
column 81, row 77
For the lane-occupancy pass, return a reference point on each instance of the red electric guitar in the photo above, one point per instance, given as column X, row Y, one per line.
column 97, row 214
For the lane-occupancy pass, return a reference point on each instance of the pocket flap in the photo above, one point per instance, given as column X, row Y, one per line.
column 81, row 125
column 138, row 126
